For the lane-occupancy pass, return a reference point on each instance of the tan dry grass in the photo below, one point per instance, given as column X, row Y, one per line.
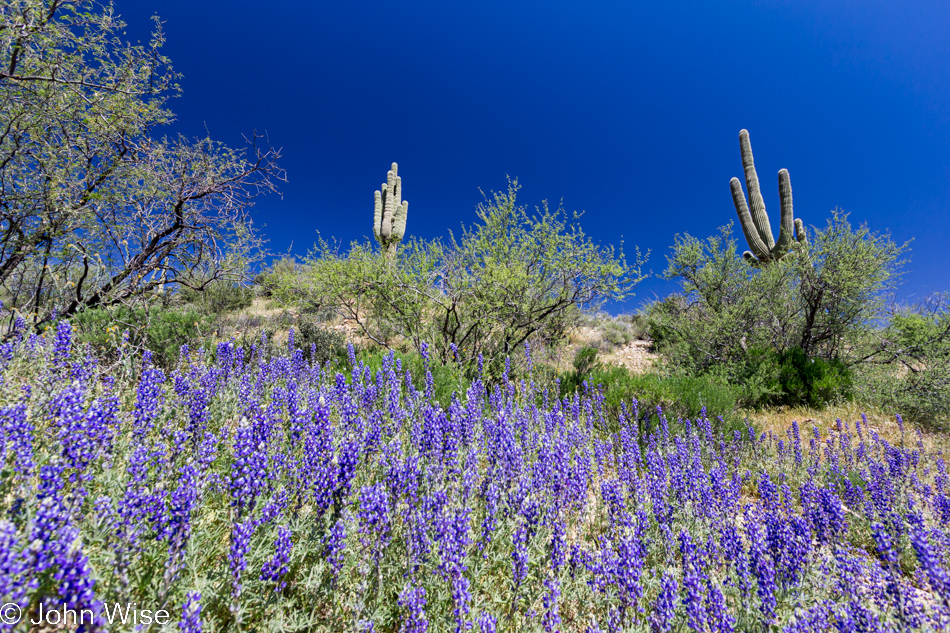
column 883, row 422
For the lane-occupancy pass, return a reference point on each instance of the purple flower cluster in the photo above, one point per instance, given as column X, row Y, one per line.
column 275, row 568
column 128, row 486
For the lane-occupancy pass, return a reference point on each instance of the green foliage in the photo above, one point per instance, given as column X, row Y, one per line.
column 584, row 360
column 908, row 367
column 162, row 331
column 679, row 396
column 100, row 207
column 219, row 297
column 791, row 378
column 811, row 381
column 637, row 326
column 754, row 325
column 448, row 379
column 512, row 277
column 319, row 344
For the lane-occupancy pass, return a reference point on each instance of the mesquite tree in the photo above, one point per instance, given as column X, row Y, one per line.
column 512, row 276
column 96, row 208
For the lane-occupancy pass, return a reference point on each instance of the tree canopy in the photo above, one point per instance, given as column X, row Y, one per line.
column 97, row 208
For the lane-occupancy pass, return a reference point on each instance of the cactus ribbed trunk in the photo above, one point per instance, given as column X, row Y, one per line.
column 755, row 221
column 389, row 215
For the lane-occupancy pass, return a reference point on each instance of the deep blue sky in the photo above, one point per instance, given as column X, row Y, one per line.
column 628, row 111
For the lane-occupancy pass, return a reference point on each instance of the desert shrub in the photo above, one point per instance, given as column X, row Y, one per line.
column 614, row 333
column 790, row 328
column 162, row 331
column 584, row 360
column 812, row 381
column 219, row 297
column 106, row 224
column 319, row 344
column 513, row 277
column 638, row 326
column 908, row 368
column 678, row 396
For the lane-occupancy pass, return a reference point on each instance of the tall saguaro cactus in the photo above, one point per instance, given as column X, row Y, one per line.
column 755, row 225
column 389, row 219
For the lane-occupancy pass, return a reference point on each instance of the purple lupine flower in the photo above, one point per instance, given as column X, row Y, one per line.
column 614, row 620
column 50, row 519
column 519, row 565
column 762, row 566
column 347, row 460
column 717, row 613
column 335, row 543
column 487, row 623
column 191, row 614
column 552, row 617
column 557, row 546
column 276, row 568
column 692, row 578
column 62, row 344
column 18, row 438
column 183, row 501
column 661, row 618
column 453, row 539
column 148, row 397
column 413, row 600
column 13, row 565
column 74, row 577
column 247, row 471
column 272, row 510
column 933, row 568
column 237, row 558
column 626, row 570
column 374, row 518
column 79, row 443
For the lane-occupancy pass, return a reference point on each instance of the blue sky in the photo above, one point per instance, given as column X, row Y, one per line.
column 627, row 111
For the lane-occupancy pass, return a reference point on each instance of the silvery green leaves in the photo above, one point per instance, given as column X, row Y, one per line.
column 755, row 224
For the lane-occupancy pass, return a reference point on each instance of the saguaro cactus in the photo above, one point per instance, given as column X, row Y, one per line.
column 755, row 225
column 389, row 219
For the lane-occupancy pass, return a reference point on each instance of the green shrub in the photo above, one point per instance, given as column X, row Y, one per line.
column 769, row 378
column 584, row 360
column 218, row 297
column 788, row 331
column 162, row 331
column 910, row 365
column 319, row 344
column 638, row 326
column 614, row 333
column 812, row 381
column 679, row 396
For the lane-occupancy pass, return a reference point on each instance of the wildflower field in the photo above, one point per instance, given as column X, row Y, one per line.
column 248, row 491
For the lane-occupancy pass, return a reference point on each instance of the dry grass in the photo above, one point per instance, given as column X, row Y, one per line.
column 883, row 422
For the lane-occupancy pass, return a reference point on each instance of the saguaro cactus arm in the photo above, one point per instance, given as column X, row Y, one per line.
column 389, row 216
column 755, row 223
column 751, row 232
column 756, row 201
